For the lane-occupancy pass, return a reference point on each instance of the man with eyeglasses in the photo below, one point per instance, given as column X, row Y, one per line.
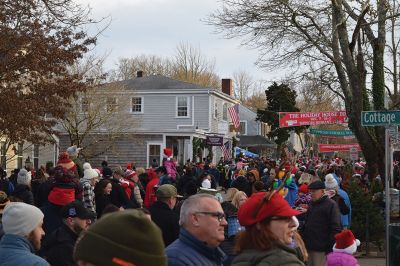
column 322, row 223
column 202, row 222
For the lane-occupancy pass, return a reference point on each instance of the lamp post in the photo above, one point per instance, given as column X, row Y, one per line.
column 28, row 164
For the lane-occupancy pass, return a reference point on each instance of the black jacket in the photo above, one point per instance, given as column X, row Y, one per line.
column 322, row 222
column 24, row 193
column 118, row 195
column 167, row 220
column 58, row 248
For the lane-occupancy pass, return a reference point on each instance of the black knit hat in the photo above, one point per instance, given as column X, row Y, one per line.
column 122, row 238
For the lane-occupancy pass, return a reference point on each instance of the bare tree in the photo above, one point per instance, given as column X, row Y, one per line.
column 190, row 65
column 294, row 33
column 242, row 85
column 99, row 115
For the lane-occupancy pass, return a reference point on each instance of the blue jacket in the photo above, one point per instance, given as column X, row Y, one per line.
column 17, row 250
column 345, row 219
column 189, row 251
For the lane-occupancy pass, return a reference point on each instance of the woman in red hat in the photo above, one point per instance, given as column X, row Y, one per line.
column 270, row 228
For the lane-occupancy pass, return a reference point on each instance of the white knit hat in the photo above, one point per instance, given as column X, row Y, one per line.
column 20, row 218
column 24, row 177
column 330, row 182
column 89, row 172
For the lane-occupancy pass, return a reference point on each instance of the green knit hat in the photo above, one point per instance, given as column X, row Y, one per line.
column 122, row 238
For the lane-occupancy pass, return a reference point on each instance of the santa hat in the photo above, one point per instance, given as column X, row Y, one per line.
column 346, row 242
column 168, row 152
column 66, row 162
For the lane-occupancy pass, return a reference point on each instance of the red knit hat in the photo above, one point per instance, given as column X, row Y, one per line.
column 129, row 174
column 346, row 242
column 66, row 162
column 168, row 152
column 276, row 206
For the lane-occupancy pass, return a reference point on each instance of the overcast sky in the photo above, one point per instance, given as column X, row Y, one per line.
column 158, row 26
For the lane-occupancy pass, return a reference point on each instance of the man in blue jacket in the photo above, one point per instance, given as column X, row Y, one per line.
column 22, row 224
column 202, row 222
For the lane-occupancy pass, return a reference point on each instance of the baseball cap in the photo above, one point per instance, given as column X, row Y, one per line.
column 76, row 209
column 317, row 185
column 167, row 191
column 255, row 209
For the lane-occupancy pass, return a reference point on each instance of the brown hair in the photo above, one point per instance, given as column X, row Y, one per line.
column 300, row 244
column 257, row 236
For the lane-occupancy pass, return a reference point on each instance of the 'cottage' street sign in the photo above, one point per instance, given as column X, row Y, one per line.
column 380, row 118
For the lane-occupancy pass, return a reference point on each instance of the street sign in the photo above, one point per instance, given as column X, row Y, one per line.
column 380, row 118
column 353, row 153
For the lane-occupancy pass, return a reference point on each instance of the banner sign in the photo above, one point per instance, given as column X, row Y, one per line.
column 295, row 119
column 336, row 133
column 337, row 147
column 215, row 140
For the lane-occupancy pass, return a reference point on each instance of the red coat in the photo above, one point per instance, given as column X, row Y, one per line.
column 150, row 196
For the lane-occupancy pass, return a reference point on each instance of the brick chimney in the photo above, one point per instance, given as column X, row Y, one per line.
column 227, row 86
column 139, row 74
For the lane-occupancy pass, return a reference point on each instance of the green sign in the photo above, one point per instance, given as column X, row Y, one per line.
column 380, row 118
column 325, row 132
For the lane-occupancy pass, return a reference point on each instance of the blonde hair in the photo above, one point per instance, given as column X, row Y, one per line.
column 230, row 193
column 140, row 170
column 237, row 197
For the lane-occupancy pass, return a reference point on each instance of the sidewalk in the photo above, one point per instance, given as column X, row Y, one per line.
column 371, row 261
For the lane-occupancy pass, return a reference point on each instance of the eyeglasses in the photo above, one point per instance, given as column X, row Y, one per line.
column 219, row 215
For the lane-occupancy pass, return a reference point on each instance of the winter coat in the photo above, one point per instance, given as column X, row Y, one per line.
column 340, row 259
column 150, row 196
column 167, row 220
column 52, row 218
column 17, row 250
column 278, row 256
column 345, row 219
column 189, row 251
column 59, row 247
column 322, row 223
column 292, row 193
column 24, row 193
column 170, row 166
column 118, row 195
column 88, row 195
column 101, row 202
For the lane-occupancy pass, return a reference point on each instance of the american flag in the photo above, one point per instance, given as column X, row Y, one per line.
column 226, row 151
column 234, row 113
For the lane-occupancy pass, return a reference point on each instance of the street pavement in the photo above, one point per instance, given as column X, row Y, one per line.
column 371, row 261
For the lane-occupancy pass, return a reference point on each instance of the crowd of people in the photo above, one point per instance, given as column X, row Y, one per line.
column 236, row 212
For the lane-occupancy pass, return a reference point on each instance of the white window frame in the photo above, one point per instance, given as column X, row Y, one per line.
column 35, row 157
column 148, row 152
column 187, row 107
column 245, row 127
column 216, row 109
column 141, row 105
column 225, row 112
column 87, row 104
column 115, row 105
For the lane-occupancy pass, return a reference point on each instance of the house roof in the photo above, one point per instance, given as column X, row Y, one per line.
column 255, row 141
column 163, row 84
column 159, row 82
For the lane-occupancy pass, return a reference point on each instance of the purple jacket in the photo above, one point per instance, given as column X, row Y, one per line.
column 340, row 259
